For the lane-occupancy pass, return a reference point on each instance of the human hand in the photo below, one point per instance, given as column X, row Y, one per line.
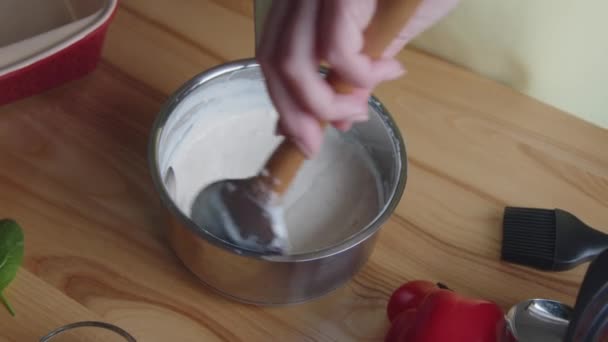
column 299, row 34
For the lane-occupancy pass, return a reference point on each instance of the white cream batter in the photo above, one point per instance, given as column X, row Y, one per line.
column 227, row 131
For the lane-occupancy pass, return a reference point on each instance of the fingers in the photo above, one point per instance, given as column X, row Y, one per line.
column 298, row 69
column 302, row 97
column 277, row 15
column 299, row 34
column 279, row 55
column 301, row 128
column 341, row 27
column 298, row 126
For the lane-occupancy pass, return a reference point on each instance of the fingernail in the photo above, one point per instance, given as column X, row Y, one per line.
column 361, row 118
column 397, row 73
column 353, row 107
column 306, row 150
column 344, row 126
column 401, row 72
column 390, row 74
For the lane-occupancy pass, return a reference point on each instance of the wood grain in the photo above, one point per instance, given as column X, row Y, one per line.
column 73, row 172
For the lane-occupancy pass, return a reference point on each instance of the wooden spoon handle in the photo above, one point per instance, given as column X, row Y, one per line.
column 389, row 19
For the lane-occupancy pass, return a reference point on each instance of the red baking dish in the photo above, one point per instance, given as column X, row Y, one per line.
column 44, row 43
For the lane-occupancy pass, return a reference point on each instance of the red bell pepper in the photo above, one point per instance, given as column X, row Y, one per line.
column 421, row 311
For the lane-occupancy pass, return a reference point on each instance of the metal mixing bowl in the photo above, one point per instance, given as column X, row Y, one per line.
column 272, row 279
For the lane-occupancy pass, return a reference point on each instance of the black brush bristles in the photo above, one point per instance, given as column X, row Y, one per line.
column 551, row 240
column 529, row 237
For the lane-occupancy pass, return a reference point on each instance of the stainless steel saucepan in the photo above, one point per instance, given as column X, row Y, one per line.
column 271, row 279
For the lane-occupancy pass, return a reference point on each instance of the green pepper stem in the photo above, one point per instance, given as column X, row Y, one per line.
column 7, row 304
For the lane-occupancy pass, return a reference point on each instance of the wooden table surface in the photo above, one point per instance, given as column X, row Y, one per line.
column 73, row 172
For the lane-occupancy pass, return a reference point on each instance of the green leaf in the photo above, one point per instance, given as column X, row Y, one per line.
column 11, row 256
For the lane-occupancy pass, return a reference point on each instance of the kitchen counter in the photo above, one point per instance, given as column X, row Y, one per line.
column 73, row 173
